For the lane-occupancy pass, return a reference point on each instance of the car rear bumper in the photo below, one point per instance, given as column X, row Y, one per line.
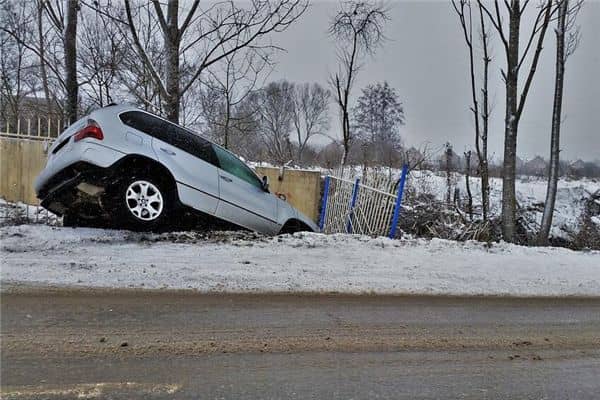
column 85, row 151
column 72, row 186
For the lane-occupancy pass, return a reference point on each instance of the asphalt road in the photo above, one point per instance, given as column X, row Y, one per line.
column 136, row 344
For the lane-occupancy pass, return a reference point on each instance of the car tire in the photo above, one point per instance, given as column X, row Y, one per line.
column 142, row 202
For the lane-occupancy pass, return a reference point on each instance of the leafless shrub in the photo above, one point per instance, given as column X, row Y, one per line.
column 588, row 235
column 430, row 218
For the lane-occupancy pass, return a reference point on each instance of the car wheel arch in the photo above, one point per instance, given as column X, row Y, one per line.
column 294, row 225
column 133, row 162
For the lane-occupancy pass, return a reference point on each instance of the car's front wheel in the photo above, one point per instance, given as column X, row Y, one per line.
column 143, row 203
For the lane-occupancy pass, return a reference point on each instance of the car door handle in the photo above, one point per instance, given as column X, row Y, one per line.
column 226, row 179
column 169, row 152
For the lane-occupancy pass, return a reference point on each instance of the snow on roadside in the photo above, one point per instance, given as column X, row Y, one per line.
column 42, row 255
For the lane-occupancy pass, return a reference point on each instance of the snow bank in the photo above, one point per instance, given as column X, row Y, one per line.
column 42, row 255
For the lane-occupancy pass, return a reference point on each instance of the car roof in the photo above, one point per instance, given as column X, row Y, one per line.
column 124, row 107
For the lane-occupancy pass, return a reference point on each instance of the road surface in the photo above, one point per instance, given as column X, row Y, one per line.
column 155, row 345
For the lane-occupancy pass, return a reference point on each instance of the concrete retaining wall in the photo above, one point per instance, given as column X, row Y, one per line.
column 302, row 189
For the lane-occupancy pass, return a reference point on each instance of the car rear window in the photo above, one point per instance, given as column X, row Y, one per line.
column 171, row 134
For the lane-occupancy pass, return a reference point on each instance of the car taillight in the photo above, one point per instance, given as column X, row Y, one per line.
column 92, row 130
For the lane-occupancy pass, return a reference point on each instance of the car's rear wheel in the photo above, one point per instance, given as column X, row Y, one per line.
column 143, row 202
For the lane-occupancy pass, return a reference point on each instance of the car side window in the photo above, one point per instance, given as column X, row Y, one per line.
column 171, row 134
column 234, row 166
column 192, row 143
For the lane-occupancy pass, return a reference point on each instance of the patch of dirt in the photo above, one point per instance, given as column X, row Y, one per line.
column 207, row 236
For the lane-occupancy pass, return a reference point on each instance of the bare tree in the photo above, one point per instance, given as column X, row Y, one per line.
column 206, row 36
column 464, row 12
column 515, row 101
column 13, row 60
column 50, row 48
column 311, row 106
column 358, row 30
column 52, row 38
column 229, row 85
column 565, row 46
column 134, row 75
column 101, row 55
column 275, row 112
column 416, row 158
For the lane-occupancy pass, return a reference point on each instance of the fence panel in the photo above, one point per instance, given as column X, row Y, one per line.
column 353, row 206
column 40, row 128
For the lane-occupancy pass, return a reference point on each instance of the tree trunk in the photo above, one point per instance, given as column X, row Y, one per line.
column 448, row 174
column 70, row 41
column 43, row 72
column 171, row 38
column 226, row 124
column 509, row 219
column 556, row 116
column 346, row 133
column 485, row 115
column 468, row 185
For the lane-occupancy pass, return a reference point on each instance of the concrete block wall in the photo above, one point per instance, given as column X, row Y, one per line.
column 301, row 188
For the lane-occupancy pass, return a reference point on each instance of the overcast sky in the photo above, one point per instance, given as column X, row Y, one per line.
column 425, row 59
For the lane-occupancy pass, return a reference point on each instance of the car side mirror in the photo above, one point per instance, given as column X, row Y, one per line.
column 265, row 183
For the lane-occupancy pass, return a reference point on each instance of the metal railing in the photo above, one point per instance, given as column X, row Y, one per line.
column 41, row 128
column 352, row 206
column 20, row 213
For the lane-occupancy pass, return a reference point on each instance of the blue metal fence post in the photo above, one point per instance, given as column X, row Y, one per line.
column 324, row 204
column 352, row 204
column 398, row 204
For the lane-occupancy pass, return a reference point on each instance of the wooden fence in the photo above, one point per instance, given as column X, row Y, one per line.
column 21, row 160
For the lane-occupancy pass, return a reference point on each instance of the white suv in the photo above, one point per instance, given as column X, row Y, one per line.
column 137, row 170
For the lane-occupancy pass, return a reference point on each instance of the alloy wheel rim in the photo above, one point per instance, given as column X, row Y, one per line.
column 144, row 200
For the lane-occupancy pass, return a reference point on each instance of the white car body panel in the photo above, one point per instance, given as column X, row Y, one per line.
column 202, row 176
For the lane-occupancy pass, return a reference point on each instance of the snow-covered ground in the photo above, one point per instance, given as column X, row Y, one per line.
column 246, row 262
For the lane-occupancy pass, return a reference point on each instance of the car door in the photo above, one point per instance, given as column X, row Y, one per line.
column 243, row 199
column 189, row 157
